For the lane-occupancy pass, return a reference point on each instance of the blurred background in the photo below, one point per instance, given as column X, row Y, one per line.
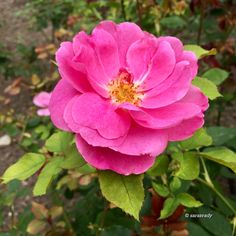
column 32, row 30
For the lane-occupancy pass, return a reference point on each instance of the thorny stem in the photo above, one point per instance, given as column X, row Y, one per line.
column 209, row 183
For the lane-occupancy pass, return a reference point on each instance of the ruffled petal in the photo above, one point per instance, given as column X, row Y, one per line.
column 90, row 110
column 87, row 57
column 161, row 66
column 186, row 129
column 176, row 45
column 139, row 56
column 61, row 95
column 93, row 138
column 107, row 159
column 171, row 90
column 106, row 49
column 124, row 34
column 166, row 116
column 70, row 71
column 195, row 96
column 192, row 59
column 142, row 141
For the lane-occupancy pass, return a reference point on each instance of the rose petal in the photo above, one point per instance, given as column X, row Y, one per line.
column 90, row 110
column 107, row 159
column 142, row 141
column 42, row 99
column 195, row 96
column 186, row 129
column 73, row 73
column 43, row 112
column 166, row 116
column 61, row 95
column 171, row 90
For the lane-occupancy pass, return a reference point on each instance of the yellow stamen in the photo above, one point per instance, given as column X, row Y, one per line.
column 122, row 89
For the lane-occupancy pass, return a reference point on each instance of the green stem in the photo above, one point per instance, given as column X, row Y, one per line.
column 210, row 184
column 218, row 194
column 206, row 174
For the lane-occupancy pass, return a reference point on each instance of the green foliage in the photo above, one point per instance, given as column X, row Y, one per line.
column 47, row 174
column 160, row 166
column 199, row 139
column 199, row 51
column 212, row 224
column 207, row 87
column 216, row 75
column 221, row 155
column 73, row 159
column 125, row 192
column 189, row 165
column 59, row 142
column 161, row 189
column 175, row 184
column 170, row 205
column 187, row 200
column 221, row 135
column 174, row 22
column 28, row 165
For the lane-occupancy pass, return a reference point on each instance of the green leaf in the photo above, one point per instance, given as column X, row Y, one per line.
column 196, row 230
column 199, row 51
column 221, row 155
column 173, row 22
column 187, row 200
column 160, row 166
column 24, row 168
column 170, row 205
column 161, row 189
column 59, row 142
column 221, row 135
column 212, row 224
column 49, row 172
column 189, row 165
column 126, row 192
column 216, row 75
column 199, row 139
column 73, row 159
column 175, row 184
column 207, row 87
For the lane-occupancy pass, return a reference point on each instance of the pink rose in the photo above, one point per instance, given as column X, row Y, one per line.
column 42, row 100
column 125, row 94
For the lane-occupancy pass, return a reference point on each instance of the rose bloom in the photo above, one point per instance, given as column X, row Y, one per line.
column 41, row 100
column 125, row 93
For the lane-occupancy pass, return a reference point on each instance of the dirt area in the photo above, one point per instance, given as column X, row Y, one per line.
column 14, row 28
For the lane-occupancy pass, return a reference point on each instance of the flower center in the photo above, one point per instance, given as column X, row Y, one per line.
column 122, row 89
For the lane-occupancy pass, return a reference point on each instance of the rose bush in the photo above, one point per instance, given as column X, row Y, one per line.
column 125, row 93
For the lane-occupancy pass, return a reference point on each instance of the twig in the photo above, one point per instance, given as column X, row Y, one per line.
column 199, row 34
column 122, row 4
column 139, row 12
